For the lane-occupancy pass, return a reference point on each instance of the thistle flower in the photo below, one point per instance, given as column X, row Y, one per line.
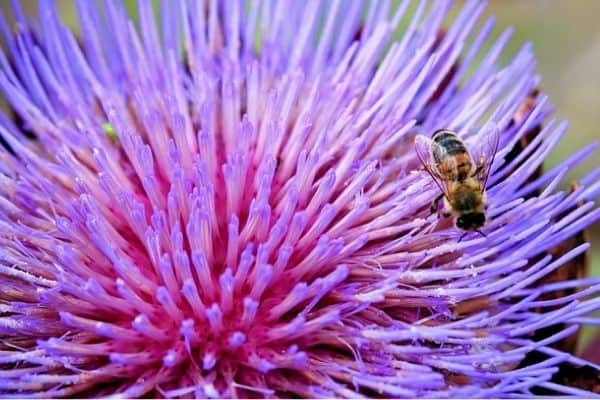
column 231, row 206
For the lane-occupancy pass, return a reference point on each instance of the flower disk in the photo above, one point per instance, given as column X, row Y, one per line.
column 232, row 206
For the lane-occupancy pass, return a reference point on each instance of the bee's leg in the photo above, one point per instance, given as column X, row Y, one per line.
column 435, row 204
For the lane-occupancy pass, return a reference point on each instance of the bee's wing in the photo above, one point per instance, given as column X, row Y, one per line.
column 487, row 154
column 423, row 149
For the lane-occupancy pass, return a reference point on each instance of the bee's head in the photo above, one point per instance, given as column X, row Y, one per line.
column 470, row 221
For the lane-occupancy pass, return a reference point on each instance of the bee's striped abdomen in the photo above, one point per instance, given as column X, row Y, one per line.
column 448, row 144
column 451, row 156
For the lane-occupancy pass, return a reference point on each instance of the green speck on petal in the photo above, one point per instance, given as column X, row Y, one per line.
column 109, row 130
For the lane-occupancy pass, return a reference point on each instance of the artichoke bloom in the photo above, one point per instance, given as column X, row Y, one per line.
column 228, row 203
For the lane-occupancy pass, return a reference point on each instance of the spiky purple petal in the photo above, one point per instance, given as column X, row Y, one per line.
column 256, row 222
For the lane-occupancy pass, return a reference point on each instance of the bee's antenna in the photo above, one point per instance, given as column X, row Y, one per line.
column 462, row 236
column 481, row 233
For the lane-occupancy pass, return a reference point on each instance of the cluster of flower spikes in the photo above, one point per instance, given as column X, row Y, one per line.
column 230, row 205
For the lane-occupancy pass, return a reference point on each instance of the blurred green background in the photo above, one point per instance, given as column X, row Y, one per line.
column 566, row 39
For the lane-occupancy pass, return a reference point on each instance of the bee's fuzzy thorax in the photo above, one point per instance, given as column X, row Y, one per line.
column 467, row 196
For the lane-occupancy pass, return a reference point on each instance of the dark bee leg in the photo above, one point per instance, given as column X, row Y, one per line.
column 435, row 204
column 467, row 232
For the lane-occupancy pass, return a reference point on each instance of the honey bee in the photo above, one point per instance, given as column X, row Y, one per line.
column 461, row 180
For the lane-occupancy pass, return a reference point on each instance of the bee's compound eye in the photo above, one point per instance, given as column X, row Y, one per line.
column 470, row 221
column 479, row 219
column 461, row 223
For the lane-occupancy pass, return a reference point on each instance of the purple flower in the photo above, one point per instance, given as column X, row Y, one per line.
column 231, row 206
